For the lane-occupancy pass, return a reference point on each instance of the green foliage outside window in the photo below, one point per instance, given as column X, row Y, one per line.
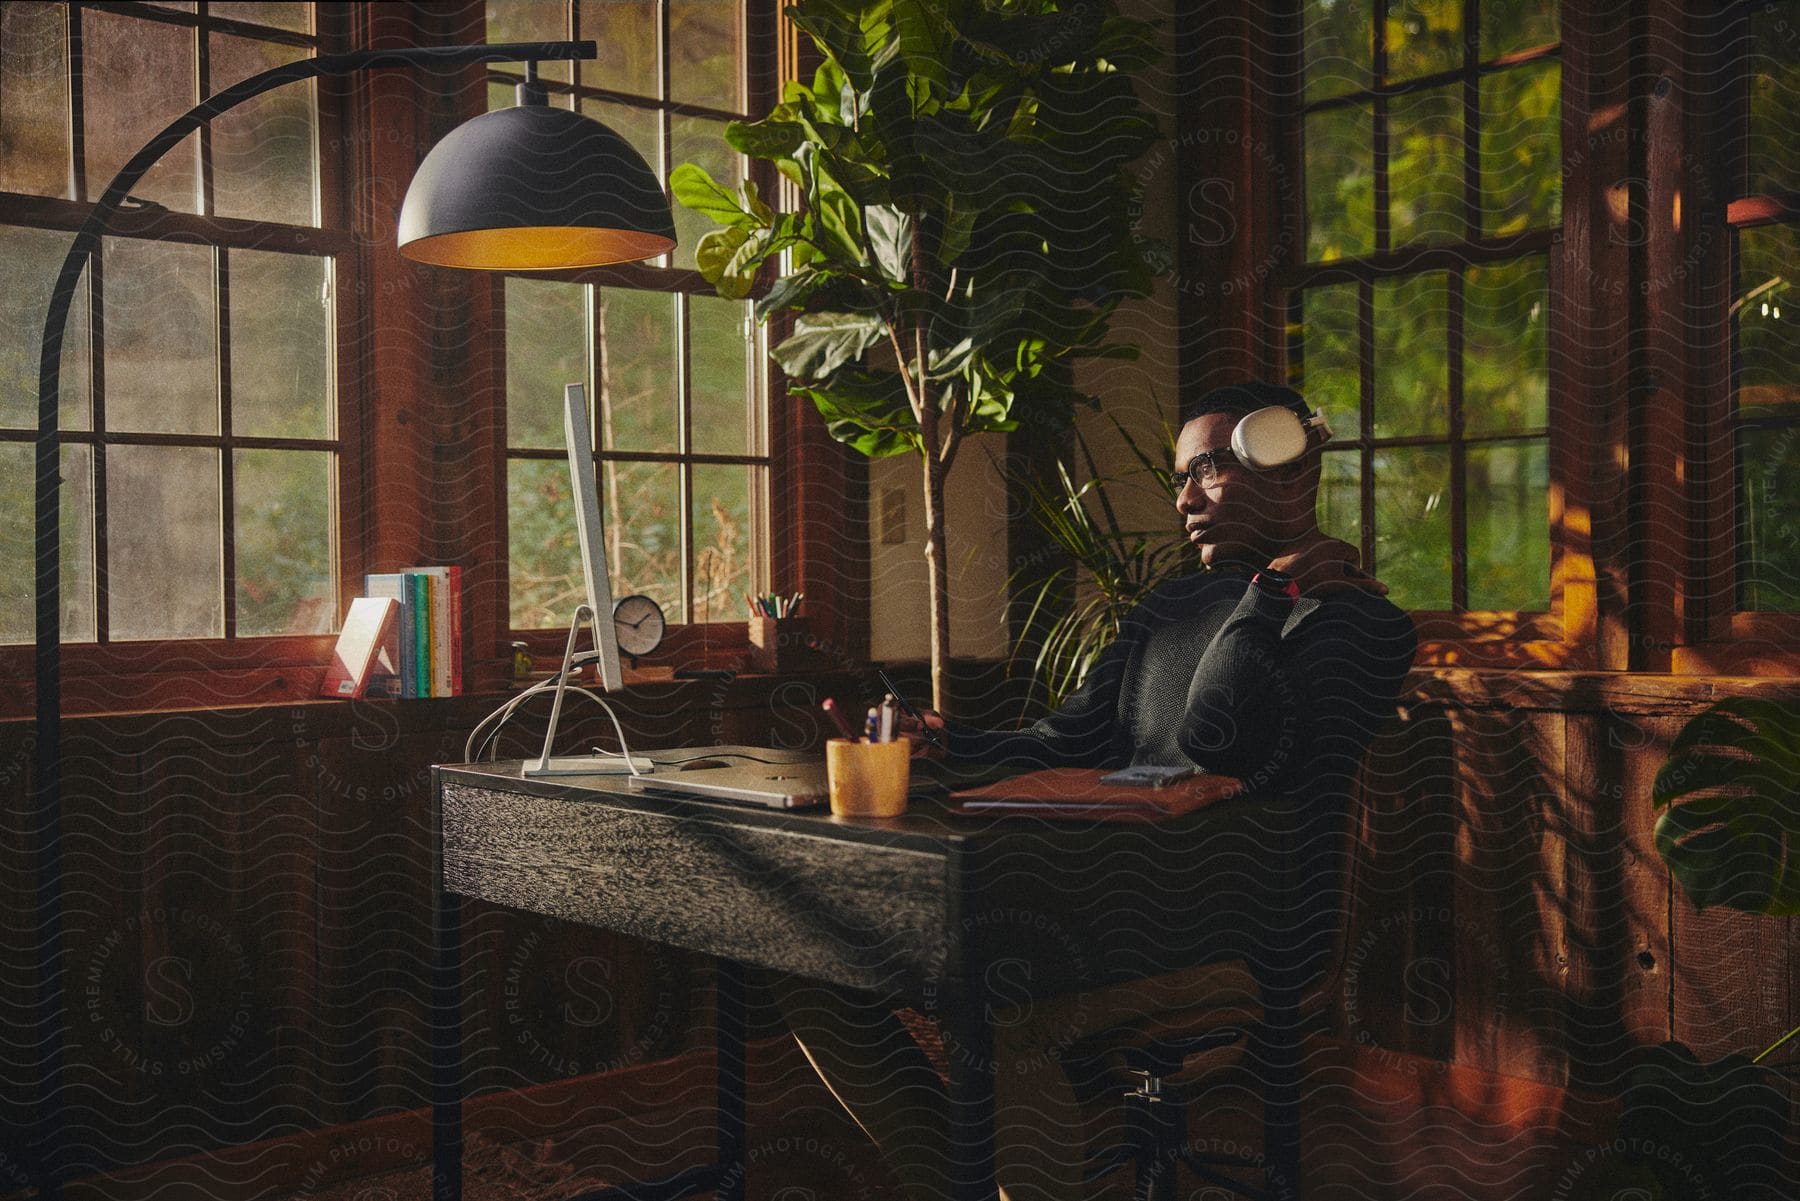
column 553, row 331
column 1766, row 310
column 1768, row 394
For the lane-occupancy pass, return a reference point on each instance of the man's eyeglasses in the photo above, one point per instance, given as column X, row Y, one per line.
column 1203, row 467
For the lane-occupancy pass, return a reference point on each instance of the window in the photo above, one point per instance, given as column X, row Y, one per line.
column 202, row 448
column 1431, row 167
column 1765, row 310
column 674, row 373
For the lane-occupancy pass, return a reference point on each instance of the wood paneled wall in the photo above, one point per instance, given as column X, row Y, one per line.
column 1511, row 914
column 248, row 920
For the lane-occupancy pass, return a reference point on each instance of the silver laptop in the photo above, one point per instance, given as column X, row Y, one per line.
column 751, row 775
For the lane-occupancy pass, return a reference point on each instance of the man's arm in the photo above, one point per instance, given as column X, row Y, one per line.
column 1260, row 707
column 1080, row 732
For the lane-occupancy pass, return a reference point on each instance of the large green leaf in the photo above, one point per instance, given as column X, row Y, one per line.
column 695, row 189
column 823, row 342
column 837, row 27
column 715, row 251
column 1731, row 790
column 790, row 291
column 746, row 262
column 890, row 237
column 839, row 224
column 769, row 138
column 866, row 410
column 957, row 227
column 755, row 205
column 1127, row 45
column 921, row 39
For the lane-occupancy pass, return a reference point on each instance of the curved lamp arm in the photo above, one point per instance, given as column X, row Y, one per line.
column 47, row 783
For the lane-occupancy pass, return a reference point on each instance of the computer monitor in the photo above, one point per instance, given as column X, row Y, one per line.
column 588, row 530
column 578, row 438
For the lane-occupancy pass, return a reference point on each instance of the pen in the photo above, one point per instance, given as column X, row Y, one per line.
column 887, row 718
column 900, row 697
column 872, row 726
column 837, row 717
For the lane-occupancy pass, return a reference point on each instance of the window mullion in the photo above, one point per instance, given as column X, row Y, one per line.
column 684, row 445
column 1459, row 526
column 1365, row 363
column 78, row 185
column 1459, row 459
column 1471, row 120
column 97, row 423
column 1379, row 115
column 202, row 89
column 227, row 461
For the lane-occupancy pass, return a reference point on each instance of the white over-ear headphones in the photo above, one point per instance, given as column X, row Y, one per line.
column 1273, row 436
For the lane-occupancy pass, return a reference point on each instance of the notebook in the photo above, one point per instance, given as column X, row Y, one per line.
column 1076, row 793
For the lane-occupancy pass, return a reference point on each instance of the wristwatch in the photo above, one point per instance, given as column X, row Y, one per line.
column 1276, row 583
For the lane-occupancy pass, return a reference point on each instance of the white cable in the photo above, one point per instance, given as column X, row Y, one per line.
column 505, row 712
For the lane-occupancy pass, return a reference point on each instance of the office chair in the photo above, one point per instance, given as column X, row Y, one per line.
column 1289, row 959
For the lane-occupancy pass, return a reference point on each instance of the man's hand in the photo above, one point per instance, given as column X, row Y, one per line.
column 1324, row 565
column 916, row 732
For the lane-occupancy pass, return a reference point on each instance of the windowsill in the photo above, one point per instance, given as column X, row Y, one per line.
column 247, row 711
column 1751, row 644
column 214, row 675
column 1585, row 690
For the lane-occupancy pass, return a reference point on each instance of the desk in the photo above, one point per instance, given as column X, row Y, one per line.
column 914, row 908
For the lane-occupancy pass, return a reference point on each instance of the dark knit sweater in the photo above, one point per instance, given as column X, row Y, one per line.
column 1211, row 671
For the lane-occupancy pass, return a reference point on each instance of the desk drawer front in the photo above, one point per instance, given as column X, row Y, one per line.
column 851, row 913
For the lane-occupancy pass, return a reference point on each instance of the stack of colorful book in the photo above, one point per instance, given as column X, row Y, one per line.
column 402, row 638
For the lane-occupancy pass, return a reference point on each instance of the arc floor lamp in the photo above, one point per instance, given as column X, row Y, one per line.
column 525, row 188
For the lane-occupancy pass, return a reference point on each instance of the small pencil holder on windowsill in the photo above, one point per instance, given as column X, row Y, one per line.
column 779, row 645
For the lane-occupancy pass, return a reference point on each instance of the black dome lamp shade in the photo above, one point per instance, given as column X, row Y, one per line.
column 534, row 188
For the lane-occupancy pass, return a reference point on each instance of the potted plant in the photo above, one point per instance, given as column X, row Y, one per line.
column 1107, row 569
column 963, row 231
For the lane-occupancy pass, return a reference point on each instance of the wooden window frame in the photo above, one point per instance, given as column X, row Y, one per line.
column 1244, row 330
column 818, row 528
column 1702, row 117
column 687, row 643
column 104, row 675
column 413, row 426
column 1504, row 638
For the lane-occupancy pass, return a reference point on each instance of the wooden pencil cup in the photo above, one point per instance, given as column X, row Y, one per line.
column 779, row 645
column 868, row 779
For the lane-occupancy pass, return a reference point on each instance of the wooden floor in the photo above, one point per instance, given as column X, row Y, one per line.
column 1378, row 1127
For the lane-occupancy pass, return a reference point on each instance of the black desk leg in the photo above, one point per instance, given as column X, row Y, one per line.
column 446, row 1051
column 969, row 1045
column 732, row 1079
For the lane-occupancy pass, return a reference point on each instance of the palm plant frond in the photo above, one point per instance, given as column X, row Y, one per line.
column 1109, row 568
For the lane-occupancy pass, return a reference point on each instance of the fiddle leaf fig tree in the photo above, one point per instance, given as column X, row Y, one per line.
column 962, row 231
